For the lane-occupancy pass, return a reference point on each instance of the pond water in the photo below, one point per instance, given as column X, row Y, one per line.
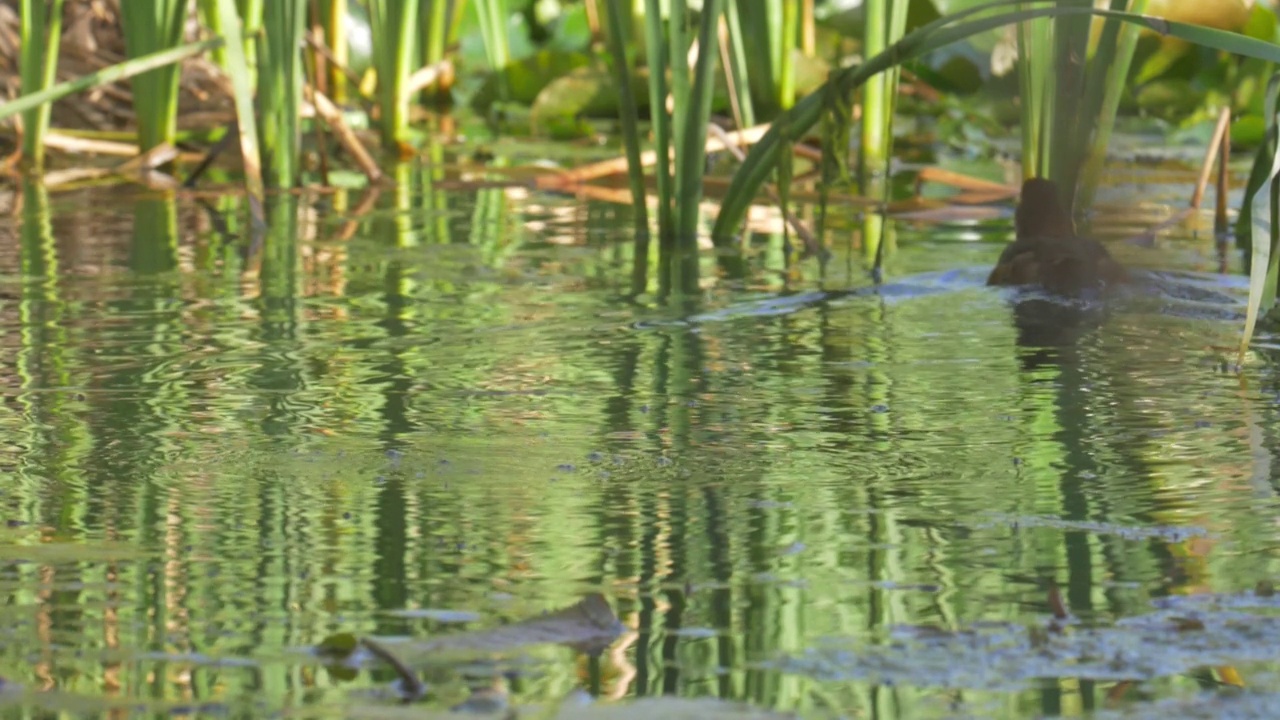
column 440, row 422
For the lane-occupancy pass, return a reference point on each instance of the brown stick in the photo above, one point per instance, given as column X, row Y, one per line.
column 424, row 76
column 71, row 144
column 964, row 182
column 319, row 77
column 811, row 244
column 332, row 116
column 410, row 684
column 323, row 49
column 141, row 169
column 1220, row 207
column 726, row 63
column 616, row 166
column 1211, row 154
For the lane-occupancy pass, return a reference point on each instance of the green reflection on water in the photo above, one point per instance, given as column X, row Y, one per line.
column 220, row 453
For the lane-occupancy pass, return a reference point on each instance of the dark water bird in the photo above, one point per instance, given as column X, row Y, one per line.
column 1047, row 252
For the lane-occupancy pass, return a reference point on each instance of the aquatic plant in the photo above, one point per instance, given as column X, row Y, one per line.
column 492, row 15
column 280, row 81
column 40, row 28
column 795, row 123
column 237, row 67
column 150, row 26
column 886, row 22
column 623, row 64
column 393, row 25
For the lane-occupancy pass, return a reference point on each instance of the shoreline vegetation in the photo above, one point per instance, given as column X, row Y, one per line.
column 282, row 94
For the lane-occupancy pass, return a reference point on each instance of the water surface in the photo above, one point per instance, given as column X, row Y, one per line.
column 447, row 416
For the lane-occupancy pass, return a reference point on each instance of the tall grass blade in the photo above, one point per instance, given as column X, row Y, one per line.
column 242, row 91
column 758, row 19
column 739, row 65
column 40, row 30
column 627, row 111
column 672, row 262
column 150, row 26
column 335, row 37
column 953, row 28
column 106, row 76
column 1262, row 238
column 1117, row 73
column 492, row 16
column 280, row 82
column 656, row 42
column 874, row 111
column 435, row 19
column 1070, row 115
column 394, row 35
column 787, row 59
column 691, row 154
column 1039, row 90
column 250, row 12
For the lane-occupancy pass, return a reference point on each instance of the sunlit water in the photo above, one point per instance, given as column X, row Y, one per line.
column 809, row 495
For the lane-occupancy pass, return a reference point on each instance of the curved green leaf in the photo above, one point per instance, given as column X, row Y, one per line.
column 801, row 119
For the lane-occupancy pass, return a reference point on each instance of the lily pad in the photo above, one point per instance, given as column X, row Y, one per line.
column 526, row 79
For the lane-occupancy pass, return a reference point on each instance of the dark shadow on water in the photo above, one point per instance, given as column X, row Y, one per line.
column 1050, row 329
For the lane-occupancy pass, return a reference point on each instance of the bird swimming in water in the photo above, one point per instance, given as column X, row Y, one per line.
column 1047, row 252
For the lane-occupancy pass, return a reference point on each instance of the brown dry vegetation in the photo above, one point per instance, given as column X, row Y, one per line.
column 92, row 40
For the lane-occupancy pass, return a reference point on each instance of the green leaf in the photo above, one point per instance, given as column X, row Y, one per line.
column 800, row 120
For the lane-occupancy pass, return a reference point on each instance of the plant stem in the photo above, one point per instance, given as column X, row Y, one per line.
column 628, row 113
column 41, row 32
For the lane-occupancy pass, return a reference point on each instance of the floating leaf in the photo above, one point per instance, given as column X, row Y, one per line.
column 338, row 645
column 587, row 626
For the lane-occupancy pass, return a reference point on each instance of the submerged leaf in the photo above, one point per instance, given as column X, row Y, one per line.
column 588, row 626
column 338, row 645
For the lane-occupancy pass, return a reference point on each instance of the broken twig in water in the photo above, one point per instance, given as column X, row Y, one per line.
column 332, row 116
column 410, row 684
column 811, row 244
column 1213, row 152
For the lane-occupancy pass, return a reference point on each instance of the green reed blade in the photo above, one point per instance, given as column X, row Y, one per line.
column 739, row 63
column 149, row 26
column 394, row 27
column 40, row 34
column 1071, row 125
column 280, row 82
column 1117, row 73
column 1264, row 267
column 628, row 113
column 492, row 16
column 106, row 76
column 764, row 155
column 242, row 93
column 786, row 57
column 656, row 44
column 334, row 21
column 678, row 64
column 691, row 156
